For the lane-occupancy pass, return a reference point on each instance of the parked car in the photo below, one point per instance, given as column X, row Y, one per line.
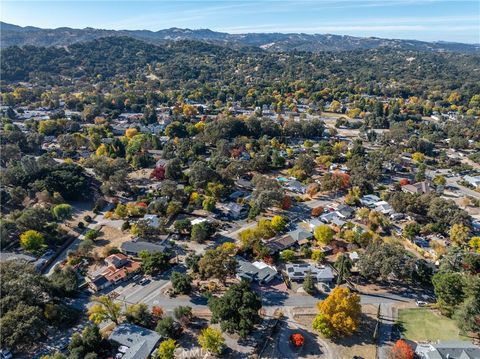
column 421, row 303
column 144, row 281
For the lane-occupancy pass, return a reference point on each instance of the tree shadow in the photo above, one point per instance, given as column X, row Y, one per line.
column 272, row 296
column 364, row 334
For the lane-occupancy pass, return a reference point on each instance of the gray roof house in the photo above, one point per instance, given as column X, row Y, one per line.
column 133, row 247
column 418, row 188
column 345, row 211
column 300, row 234
column 297, row 272
column 448, row 350
column 369, row 200
column 135, row 342
column 473, row 180
column 255, row 272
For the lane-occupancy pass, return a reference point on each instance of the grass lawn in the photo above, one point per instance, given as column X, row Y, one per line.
column 421, row 324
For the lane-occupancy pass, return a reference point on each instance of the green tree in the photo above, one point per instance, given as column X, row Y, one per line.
column 216, row 263
column 139, row 314
column 323, row 234
column 202, row 231
column 449, row 290
column 308, row 284
column 182, row 283
column 165, row 327
column 62, row 211
column 92, row 234
column 182, row 313
column 104, row 309
column 208, row 204
column 153, row 263
column 237, row 310
column 32, row 241
column 211, row 339
column 65, row 280
column 287, row 255
column 343, row 264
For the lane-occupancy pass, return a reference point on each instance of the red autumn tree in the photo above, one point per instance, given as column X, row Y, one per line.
column 158, row 173
column 157, row 312
column 317, row 211
column 404, row 181
column 401, row 350
column 297, row 339
column 286, row 203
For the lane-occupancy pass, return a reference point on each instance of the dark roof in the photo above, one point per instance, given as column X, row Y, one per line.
column 138, row 246
column 279, row 244
column 99, row 280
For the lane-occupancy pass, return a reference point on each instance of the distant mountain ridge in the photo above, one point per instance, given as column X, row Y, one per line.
column 13, row 35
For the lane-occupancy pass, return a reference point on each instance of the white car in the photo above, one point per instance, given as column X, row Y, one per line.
column 421, row 303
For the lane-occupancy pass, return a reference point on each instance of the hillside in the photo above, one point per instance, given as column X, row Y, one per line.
column 189, row 65
column 13, row 35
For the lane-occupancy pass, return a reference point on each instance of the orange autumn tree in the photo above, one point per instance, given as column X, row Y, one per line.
column 297, row 339
column 401, row 350
column 339, row 314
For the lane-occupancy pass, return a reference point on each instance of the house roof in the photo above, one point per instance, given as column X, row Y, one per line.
column 279, row 244
column 140, row 341
column 257, row 271
column 298, row 271
column 419, row 187
column 300, row 234
column 448, row 349
column 138, row 246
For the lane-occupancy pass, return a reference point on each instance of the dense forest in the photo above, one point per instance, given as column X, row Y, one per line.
column 189, row 64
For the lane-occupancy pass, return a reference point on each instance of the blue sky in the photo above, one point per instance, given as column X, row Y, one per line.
column 429, row 20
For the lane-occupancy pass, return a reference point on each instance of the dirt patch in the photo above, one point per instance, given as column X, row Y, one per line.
column 360, row 344
column 110, row 237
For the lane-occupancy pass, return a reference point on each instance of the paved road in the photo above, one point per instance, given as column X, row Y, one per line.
column 150, row 295
column 387, row 321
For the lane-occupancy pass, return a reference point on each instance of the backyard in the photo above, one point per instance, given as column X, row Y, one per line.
column 422, row 324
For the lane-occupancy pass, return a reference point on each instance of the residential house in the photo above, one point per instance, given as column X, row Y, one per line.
column 280, row 243
column 330, row 217
column 118, row 268
column 134, row 342
column 383, row 207
column 369, row 200
column 344, row 211
column 151, row 220
column 297, row 272
column 418, row 188
column 259, row 271
column 234, row 210
column 300, row 236
column 244, row 183
column 448, row 350
column 135, row 246
column 473, row 180
column 294, row 186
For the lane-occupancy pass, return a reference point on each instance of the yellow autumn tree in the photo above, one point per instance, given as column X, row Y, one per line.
column 130, row 132
column 339, row 314
column 418, row 157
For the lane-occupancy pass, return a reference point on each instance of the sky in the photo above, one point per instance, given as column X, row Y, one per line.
column 428, row 20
